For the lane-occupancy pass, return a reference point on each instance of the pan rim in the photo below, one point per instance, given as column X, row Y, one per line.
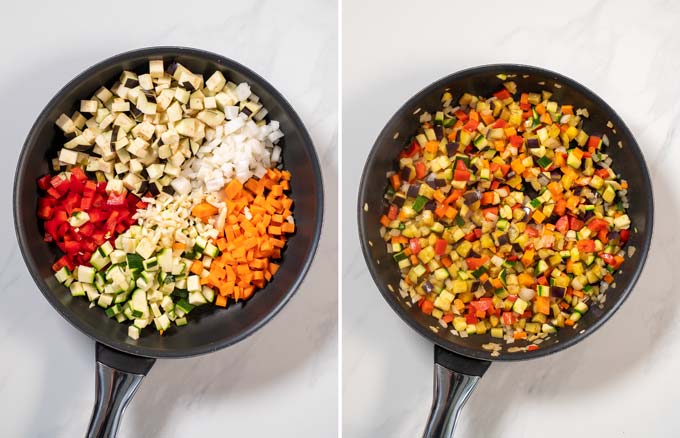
column 227, row 63
column 391, row 297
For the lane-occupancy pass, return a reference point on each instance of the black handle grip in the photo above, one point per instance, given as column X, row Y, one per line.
column 118, row 375
column 455, row 377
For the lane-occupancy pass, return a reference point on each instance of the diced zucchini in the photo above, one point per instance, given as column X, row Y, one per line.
column 63, row 275
column 165, row 259
column 211, row 250
column 196, row 298
column 520, row 306
column 77, row 289
column 133, row 332
column 200, row 244
column 184, row 306
column 99, row 261
column 85, row 274
column 193, row 283
column 145, row 248
column 150, row 264
column 135, row 262
column 209, row 293
column 162, row 322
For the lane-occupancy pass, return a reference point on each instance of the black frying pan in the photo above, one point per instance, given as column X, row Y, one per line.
column 121, row 361
column 460, row 362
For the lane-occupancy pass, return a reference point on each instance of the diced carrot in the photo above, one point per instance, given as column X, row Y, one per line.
column 204, row 210
column 543, row 305
column 196, row 267
column 233, row 189
column 221, row 301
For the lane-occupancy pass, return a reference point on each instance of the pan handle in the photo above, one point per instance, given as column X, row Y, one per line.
column 118, row 377
column 455, row 377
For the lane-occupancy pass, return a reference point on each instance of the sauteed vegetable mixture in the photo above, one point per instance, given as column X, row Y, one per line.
column 505, row 216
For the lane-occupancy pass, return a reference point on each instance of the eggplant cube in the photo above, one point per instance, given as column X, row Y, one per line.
column 145, row 82
column 67, row 156
column 156, row 68
column 88, row 106
column 216, row 82
column 65, row 123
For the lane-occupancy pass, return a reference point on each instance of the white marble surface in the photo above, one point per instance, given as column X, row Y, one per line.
column 280, row 382
column 621, row 381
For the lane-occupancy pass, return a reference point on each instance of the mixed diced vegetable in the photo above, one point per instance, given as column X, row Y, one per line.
column 167, row 197
column 505, row 216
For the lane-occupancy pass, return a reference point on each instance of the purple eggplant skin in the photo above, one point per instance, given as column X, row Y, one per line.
column 471, row 197
column 413, row 190
column 452, row 148
column 557, row 291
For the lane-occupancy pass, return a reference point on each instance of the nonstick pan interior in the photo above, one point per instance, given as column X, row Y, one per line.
column 210, row 328
column 482, row 81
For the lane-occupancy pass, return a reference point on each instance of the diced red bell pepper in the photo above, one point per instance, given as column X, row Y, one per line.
column 86, row 203
column 594, row 142
column 427, row 307
column 392, row 212
column 414, row 245
column 471, row 318
column 502, row 94
column 509, row 318
column 597, row 224
column 108, row 215
column 44, row 182
column 602, row 173
column 440, row 247
column 411, row 150
column 476, row 262
column 516, row 140
column 421, row 170
column 72, row 247
column 482, row 304
column 78, row 173
column 461, row 115
column 87, row 229
column 575, row 223
column 500, row 123
column 586, row 245
column 624, row 235
column 531, row 231
column 45, row 212
column 461, row 175
column 612, row 260
column 90, row 188
column 562, row 224
column 54, row 193
column 76, row 185
column 61, row 262
column 471, row 125
column 116, row 199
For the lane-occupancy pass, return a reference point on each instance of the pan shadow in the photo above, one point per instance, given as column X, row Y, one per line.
column 607, row 357
column 306, row 326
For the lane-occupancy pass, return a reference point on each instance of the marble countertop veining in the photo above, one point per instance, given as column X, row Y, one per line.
column 619, row 382
column 282, row 381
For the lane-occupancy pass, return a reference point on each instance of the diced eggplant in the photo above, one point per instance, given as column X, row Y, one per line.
column 129, row 79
